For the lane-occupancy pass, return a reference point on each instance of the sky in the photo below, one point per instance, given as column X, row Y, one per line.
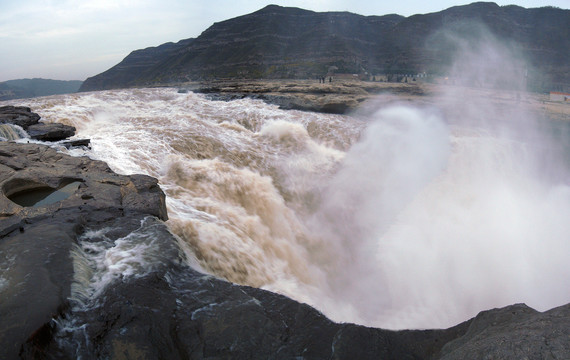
column 76, row 39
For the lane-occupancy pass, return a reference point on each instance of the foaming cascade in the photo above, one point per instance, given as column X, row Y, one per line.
column 99, row 261
column 12, row 132
column 102, row 259
column 415, row 218
column 249, row 236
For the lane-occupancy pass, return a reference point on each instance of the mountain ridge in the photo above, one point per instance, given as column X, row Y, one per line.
column 284, row 42
column 28, row 88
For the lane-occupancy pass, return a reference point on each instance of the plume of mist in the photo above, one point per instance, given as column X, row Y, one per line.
column 478, row 58
column 398, row 155
column 437, row 215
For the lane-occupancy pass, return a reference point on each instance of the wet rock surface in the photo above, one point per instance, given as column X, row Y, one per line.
column 50, row 132
column 18, row 115
column 178, row 313
column 51, row 309
column 35, row 242
column 514, row 332
column 29, row 121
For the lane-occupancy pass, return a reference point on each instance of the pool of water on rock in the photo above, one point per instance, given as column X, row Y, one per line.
column 44, row 195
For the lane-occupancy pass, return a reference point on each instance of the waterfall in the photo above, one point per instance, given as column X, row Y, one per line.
column 10, row 132
column 414, row 217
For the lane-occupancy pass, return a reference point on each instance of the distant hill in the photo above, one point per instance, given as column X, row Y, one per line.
column 28, row 88
column 138, row 66
column 281, row 42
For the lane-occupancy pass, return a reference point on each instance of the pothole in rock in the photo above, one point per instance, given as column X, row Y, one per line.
column 29, row 193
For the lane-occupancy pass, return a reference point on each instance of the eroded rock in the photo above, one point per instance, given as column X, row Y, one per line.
column 36, row 242
column 514, row 332
column 337, row 97
column 50, row 131
column 18, row 115
column 29, row 121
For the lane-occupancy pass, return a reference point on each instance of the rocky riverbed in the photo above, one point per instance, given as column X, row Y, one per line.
column 335, row 97
column 355, row 96
column 53, row 305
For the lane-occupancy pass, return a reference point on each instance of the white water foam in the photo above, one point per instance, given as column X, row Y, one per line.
column 12, row 132
column 3, row 284
column 99, row 261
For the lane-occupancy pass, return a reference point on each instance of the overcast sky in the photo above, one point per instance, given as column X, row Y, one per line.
column 75, row 39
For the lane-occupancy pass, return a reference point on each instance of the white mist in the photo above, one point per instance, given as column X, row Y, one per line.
column 488, row 233
column 435, row 217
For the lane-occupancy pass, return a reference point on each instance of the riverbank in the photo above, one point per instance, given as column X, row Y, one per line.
column 334, row 97
column 350, row 96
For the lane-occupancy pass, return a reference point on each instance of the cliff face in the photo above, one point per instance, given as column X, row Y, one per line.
column 284, row 42
column 278, row 42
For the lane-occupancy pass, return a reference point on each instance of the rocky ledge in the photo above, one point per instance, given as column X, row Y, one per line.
column 335, row 97
column 364, row 98
column 29, row 121
column 169, row 310
column 36, row 240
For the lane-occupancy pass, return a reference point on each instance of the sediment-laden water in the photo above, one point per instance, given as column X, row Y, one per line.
column 407, row 218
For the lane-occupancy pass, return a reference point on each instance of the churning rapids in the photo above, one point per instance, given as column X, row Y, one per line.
column 405, row 219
